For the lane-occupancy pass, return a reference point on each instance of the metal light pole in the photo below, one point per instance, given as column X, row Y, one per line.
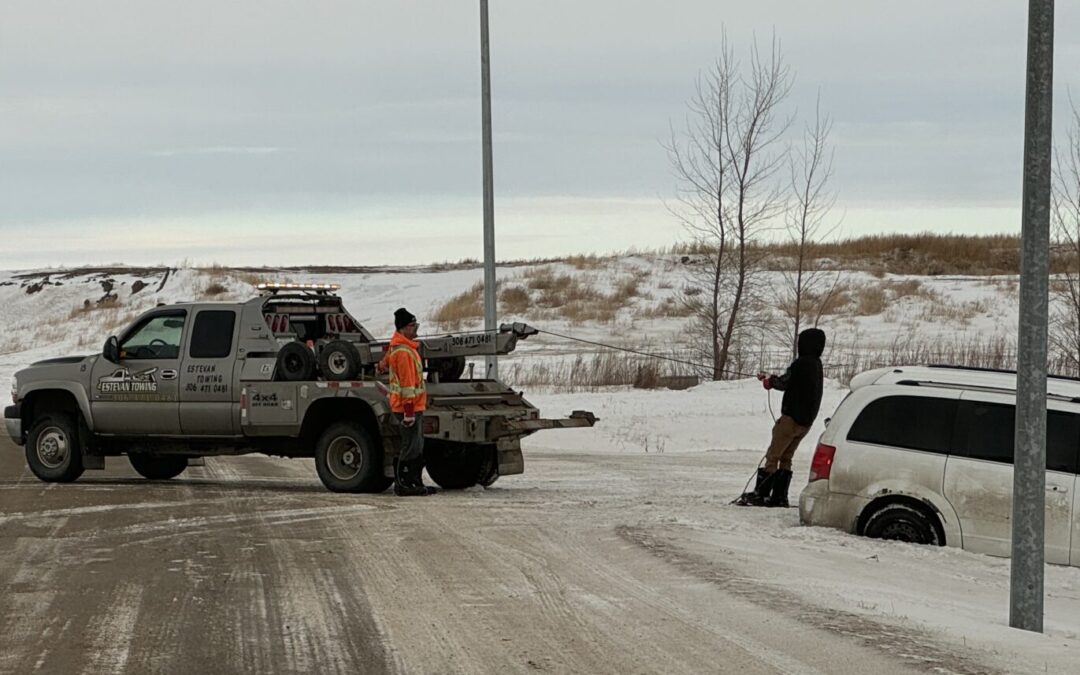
column 491, row 361
column 1029, row 472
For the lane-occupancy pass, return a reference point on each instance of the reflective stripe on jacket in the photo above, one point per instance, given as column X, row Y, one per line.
column 406, row 375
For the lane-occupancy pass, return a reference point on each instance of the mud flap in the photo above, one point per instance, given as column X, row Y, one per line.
column 511, row 461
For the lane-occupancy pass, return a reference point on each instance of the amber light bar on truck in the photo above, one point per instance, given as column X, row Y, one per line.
column 297, row 287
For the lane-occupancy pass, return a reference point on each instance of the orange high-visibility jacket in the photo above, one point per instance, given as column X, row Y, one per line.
column 408, row 394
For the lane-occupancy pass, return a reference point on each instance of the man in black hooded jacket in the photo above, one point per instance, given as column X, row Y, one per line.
column 801, row 384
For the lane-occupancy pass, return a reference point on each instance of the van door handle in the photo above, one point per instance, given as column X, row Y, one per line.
column 1057, row 488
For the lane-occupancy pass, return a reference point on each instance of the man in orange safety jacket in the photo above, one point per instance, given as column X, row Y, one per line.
column 408, row 400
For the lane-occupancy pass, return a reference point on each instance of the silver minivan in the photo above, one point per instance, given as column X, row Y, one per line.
column 924, row 454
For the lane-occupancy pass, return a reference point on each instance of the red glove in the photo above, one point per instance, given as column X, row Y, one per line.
column 766, row 381
column 410, row 413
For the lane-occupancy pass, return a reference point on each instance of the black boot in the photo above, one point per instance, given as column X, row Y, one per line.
column 406, row 482
column 779, row 494
column 756, row 497
column 418, row 474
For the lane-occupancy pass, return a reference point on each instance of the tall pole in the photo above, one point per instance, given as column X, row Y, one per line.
column 491, row 361
column 1029, row 471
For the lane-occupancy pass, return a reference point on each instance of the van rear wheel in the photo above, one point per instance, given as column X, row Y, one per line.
column 901, row 522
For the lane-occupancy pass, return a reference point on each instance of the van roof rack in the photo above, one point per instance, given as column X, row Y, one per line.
column 981, row 387
column 981, row 369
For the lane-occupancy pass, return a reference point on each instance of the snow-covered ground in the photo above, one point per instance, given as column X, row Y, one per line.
column 957, row 594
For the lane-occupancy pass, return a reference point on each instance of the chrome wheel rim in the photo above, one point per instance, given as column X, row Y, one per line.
column 343, row 458
column 337, row 363
column 52, row 447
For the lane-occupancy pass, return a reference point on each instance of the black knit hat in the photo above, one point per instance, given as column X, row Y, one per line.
column 403, row 318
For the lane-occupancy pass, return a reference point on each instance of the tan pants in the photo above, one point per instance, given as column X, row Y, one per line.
column 786, row 434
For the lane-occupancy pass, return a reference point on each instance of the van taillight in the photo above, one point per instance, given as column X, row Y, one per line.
column 821, row 465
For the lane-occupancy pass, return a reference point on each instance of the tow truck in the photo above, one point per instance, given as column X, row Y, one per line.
column 288, row 373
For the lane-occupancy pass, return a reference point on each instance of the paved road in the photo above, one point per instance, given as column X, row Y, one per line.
column 248, row 565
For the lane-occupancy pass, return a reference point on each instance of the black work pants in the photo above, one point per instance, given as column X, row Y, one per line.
column 412, row 438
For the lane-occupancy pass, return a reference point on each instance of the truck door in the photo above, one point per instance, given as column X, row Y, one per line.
column 139, row 393
column 206, row 376
column 979, row 475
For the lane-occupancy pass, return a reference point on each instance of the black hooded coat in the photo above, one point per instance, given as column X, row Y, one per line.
column 803, row 379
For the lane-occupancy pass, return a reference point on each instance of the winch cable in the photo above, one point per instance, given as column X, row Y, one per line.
column 768, row 393
column 660, row 357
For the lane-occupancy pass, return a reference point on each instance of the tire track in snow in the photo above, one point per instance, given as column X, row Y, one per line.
column 111, row 635
column 912, row 646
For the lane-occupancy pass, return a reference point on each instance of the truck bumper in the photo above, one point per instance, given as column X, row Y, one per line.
column 13, row 424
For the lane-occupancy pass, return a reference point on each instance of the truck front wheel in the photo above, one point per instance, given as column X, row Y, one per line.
column 157, row 467
column 53, row 451
column 347, row 460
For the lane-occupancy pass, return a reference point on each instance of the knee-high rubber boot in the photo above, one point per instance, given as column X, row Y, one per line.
column 756, row 497
column 418, row 476
column 779, row 494
column 406, row 483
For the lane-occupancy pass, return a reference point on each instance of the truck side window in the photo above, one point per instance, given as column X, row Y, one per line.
column 212, row 335
column 915, row 422
column 158, row 338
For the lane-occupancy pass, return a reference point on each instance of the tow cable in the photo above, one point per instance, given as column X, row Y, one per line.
column 768, row 392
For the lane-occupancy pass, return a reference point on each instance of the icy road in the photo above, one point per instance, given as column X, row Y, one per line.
column 588, row 563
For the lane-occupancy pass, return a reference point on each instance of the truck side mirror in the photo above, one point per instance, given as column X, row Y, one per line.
column 111, row 350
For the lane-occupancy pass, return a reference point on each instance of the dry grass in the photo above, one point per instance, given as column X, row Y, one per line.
column 250, row 278
column 587, row 262
column 923, row 254
column 626, row 290
column 213, row 289
column 909, row 288
column 844, row 362
column 109, row 303
column 666, row 308
column 463, row 307
column 514, row 300
column 956, row 312
column 591, row 372
column 870, row 300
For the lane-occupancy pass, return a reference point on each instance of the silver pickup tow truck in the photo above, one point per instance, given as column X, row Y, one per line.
column 288, row 373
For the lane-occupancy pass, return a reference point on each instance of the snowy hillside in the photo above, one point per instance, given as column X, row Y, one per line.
column 631, row 301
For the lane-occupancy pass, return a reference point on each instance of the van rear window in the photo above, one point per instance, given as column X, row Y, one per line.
column 914, row 422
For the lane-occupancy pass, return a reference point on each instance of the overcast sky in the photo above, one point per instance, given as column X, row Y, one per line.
column 273, row 132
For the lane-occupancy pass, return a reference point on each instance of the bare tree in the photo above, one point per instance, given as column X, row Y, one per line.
column 1065, row 220
column 725, row 162
column 809, row 289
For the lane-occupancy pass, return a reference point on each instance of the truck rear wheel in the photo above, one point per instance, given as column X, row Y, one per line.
column 339, row 360
column 456, row 466
column 53, row 450
column 295, row 363
column 157, row 467
column 347, row 460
